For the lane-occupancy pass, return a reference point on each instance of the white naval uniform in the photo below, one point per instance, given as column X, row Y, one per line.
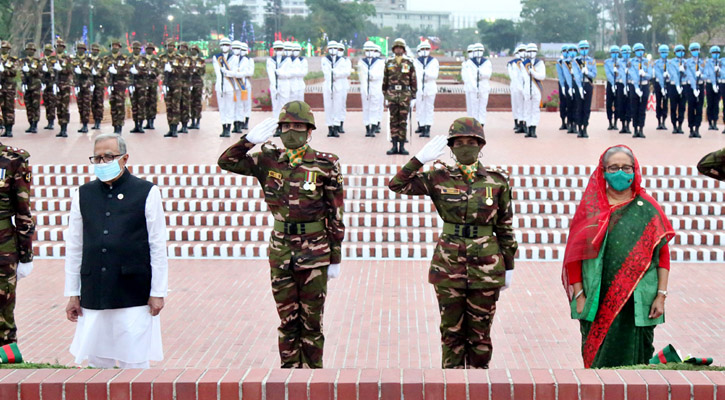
column 243, row 74
column 516, row 89
column 279, row 71
column 426, row 72
column 299, row 71
column 336, row 70
column 476, row 73
column 225, row 86
column 532, row 91
column 129, row 335
column 371, row 71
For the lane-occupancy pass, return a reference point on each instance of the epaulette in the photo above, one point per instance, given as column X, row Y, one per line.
column 15, row 151
column 496, row 170
column 329, row 157
column 270, row 148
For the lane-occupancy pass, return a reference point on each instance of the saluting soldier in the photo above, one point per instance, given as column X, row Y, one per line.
column 31, row 87
column 400, row 87
column 117, row 67
column 185, row 82
column 152, row 88
column 172, row 66
column 138, row 86
column 474, row 257
column 82, row 67
column 198, row 69
column 48, row 86
column 8, row 71
column 17, row 227
column 303, row 189
column 98, row 72
column 64, row 81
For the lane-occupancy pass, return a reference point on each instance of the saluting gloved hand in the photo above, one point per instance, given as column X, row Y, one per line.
column 26, row 68
column 168, row 68
column 333, row 271
column 639, row 92
column 262, row 131
column 433, row 149
column 24, row 269
column 112, row 70
column 133, row 70
column 77, row 70
column 715, row 88
column 57, row 66
column 509, row 279
column 44, row 68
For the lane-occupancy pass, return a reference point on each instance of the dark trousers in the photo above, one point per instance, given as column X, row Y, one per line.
column 713, row 103
column 584, row 107
column 622, row 104
column 638, row 105
column 563, row 102
column 661, row 102
column 571, row 108
column 677, row 104
column 722, row 96
column 694, row 105
column 611, row 99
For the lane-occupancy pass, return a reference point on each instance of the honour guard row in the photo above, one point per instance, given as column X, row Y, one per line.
column 89, row 77
column 682, row 82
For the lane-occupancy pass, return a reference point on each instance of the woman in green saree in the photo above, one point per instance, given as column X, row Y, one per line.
column 617, row 263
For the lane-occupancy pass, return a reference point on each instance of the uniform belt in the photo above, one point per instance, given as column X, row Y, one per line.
column 298, row 228
column 467, row 231
column 401, row 87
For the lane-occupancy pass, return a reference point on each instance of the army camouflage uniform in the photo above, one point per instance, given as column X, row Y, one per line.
column 298, row 261
column 48, row 79
column 185, row 99
column 713, row 165
column 64, row 81
column 173, row 84
column 84, row 81
column 16, row 240
column 7, row 92
column 152, row 88
column 197, row 87
column 400, row 87
column 469, row 262
column 33, row 83
column 139, row 81
column 117, row 82
column 99, row 83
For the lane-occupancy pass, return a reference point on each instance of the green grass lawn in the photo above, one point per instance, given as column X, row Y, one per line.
column 27, row 365
column 674, row 367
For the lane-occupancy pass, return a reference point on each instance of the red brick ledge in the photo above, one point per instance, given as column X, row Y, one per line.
column 348, row 384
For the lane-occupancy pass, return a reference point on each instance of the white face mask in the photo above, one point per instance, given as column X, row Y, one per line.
column 296, row 53
column 340, row 52
column 245, row 52
column 368, row 54
column 237, row 51
column 471, row 54
column 426, row 53
column 225, row 48
column 278, row 52
column 332, row 52
column 479, row 53
column 531, row 54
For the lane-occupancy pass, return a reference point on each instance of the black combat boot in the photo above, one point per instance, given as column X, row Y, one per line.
column 30, row 128
column 63, row 131
column 563, row 124
column 664, row 122
column 34, row 127
column 246, row 123
column 521, row 128
column 426, row 131
column 136, row 127
column 639, row 132
column 369, row 131
column 713, row 126
column 237, row 127
column 84, row 128
column 8, row 131
column 117, row 129
column 330, row 131
column 197, row 126
column 377, row 128
column 694, row 133
column 226, row 129
column 50, row 125
column 394, row 149
column 420, row 129
column 172, row 131
column 340, row 129
column 531, row 132
column 184, row 127
column 401, row 149
column 96, row 125
column 583, row 132
column 335, row 131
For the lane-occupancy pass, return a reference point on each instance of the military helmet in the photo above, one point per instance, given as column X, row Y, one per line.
column 136, row 44
column 532, row 47
column 59, row 43
column 170, row 42
column 30, row 46
column 638, row 47
column 5, row 44
column 195, row 47
column 714, row 49
column 565, row 47
column 679, row 47
column 466, row 127
column 425, row 45
column 614, row 49
column 96, row 46
column 663, row 48
column 289, row 46
column 625, row 48
column 296, row 46
column 572, row 46
column 116, row 42
column 583, row 44
column 237, row 44
column 48, row 46
column 297, row 112
column 331, row 44
column 225, row 41
column 278, row 44
column 340, row 45
column 522, row 47
column 81, row 45
column 150, row 46
column 399, row 42
column 694, row 46
column 183, row 44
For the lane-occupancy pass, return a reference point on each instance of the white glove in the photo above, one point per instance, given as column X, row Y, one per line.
column 112, row 69
column 262, row 131
column 164, row 89
column 45, row 68
column 679, row 89
column 715, row 88
column 614, row 89
column 131, row 89
column 168, row 68
column 25, row 68
column 696, row 93
column 57, row 66
column 581, row 92
column 133, row 70
column 682, row 68
column 77, row 70
column 698, row 73
column 93, row 87
column 42, row 87
column 571, row 92
column 78, row 89
column 433, row 149
column 509, row 279
column 225, row 71
column 717, row 68
column 664, row 92
column 24, row 269
column 23, row 88
column 642, row 73
column 333, row 271
column 93, row 71
column 412, row 104
column 638, row 91
column 2, row 68
column 55, row 89
column 110, row 90
column 666, row 74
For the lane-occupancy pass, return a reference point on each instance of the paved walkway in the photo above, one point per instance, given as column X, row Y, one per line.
column 380, row 314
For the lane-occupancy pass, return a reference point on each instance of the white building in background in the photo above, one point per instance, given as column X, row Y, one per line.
column 257, row 8
column 417, row 19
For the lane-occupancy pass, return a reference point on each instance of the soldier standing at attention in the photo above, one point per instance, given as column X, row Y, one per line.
column 31, row 87
column 185, row 82
column 303, row 189
column 678, row 82
column 64, row 79
column 137, row 86
column 474, row 258
column 198, row 69
column 661, row 82
column 426, row 68
column 82, row 65
column 16, row 246
column 588, row 68
column 640, row 74
column 610, row 70
column 712, row 89
column 48, row 86
column 400, row 87
column 370, row 70
column 118, row 71
column 8, row 71
column 225, row 85
column 152, row 88
column 238, row 106
column 172, row 67
column 694, row 69
column 98, row 71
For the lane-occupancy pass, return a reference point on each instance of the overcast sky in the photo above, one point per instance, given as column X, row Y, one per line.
column 508, row 9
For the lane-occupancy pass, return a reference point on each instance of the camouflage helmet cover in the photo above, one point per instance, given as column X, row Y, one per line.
column 297, row 112
column 399, row 42
column 136, row 44
column 150, row 45
column 5, row 44
column 81, row 45
column 30, row 46
column 59, row 43
column 48, row 46
column 466, row 127
column 95, row 46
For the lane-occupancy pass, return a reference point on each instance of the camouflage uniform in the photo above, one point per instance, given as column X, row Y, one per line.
column 84, row 81
column 32, row 84
column 152, row 90
column 139, row 82
column 16, row 240
column 99, row 83
column 173, row 85
column 117, row 87
column 50, row 100
column 400, row 86
column 299, row 261
column 197, row 86
column 474, row 250
column 64, row 81
column 713, row 165
column 7, row 92
column 185, row 99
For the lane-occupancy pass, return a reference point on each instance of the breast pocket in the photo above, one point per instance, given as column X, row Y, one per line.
column 485, row 199
column 273, row 188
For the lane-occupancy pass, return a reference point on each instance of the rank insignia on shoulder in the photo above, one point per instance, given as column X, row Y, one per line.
column 450, row 191
column 28, row 176
column 339, row 179
column 276, row 175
